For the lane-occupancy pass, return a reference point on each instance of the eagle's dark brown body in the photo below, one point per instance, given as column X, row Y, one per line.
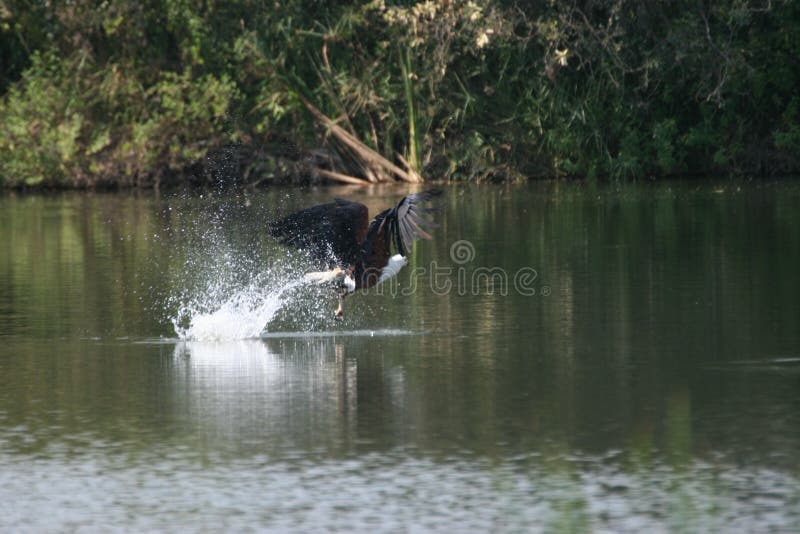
column 340, row 236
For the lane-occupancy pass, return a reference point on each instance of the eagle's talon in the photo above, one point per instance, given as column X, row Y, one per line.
column 340, row 309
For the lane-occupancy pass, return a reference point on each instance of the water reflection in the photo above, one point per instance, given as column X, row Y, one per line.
column 265, row 396
column 655, row 388
column 293, row 395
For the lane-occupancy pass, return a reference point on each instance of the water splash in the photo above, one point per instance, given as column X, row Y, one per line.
column 228, row 283
column 243, row 315
column 230, row 298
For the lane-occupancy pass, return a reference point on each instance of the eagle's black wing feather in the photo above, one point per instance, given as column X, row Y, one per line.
column 331, row 233
column 404, row 223
column 408, row 221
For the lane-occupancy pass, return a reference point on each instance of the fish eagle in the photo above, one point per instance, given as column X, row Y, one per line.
column 357, row 251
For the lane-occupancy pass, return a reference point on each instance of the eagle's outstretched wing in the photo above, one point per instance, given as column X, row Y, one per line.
column 406, row 220
column 332, row 233
column 399, row 227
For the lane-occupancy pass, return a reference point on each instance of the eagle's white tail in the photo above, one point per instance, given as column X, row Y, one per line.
column 321, row 277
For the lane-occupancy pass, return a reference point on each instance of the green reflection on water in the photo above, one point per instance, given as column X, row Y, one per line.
column 662, row 339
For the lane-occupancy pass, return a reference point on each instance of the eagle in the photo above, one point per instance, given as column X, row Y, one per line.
column 356, row 251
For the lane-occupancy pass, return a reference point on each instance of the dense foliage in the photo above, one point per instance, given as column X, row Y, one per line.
column 141, row 93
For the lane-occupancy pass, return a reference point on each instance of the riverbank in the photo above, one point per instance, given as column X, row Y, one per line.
column 124, row 95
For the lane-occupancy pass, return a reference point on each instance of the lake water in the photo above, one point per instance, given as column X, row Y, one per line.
column 561, row 358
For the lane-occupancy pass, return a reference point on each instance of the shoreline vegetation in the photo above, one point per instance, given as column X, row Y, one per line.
column 172, row 92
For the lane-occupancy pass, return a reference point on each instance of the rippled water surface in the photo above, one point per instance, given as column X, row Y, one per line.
column 561, row 358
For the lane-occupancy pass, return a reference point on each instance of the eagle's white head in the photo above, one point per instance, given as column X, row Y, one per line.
column 349, row 283
column 396, row 263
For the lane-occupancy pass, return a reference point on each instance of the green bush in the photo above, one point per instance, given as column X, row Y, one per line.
column 142, row 93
